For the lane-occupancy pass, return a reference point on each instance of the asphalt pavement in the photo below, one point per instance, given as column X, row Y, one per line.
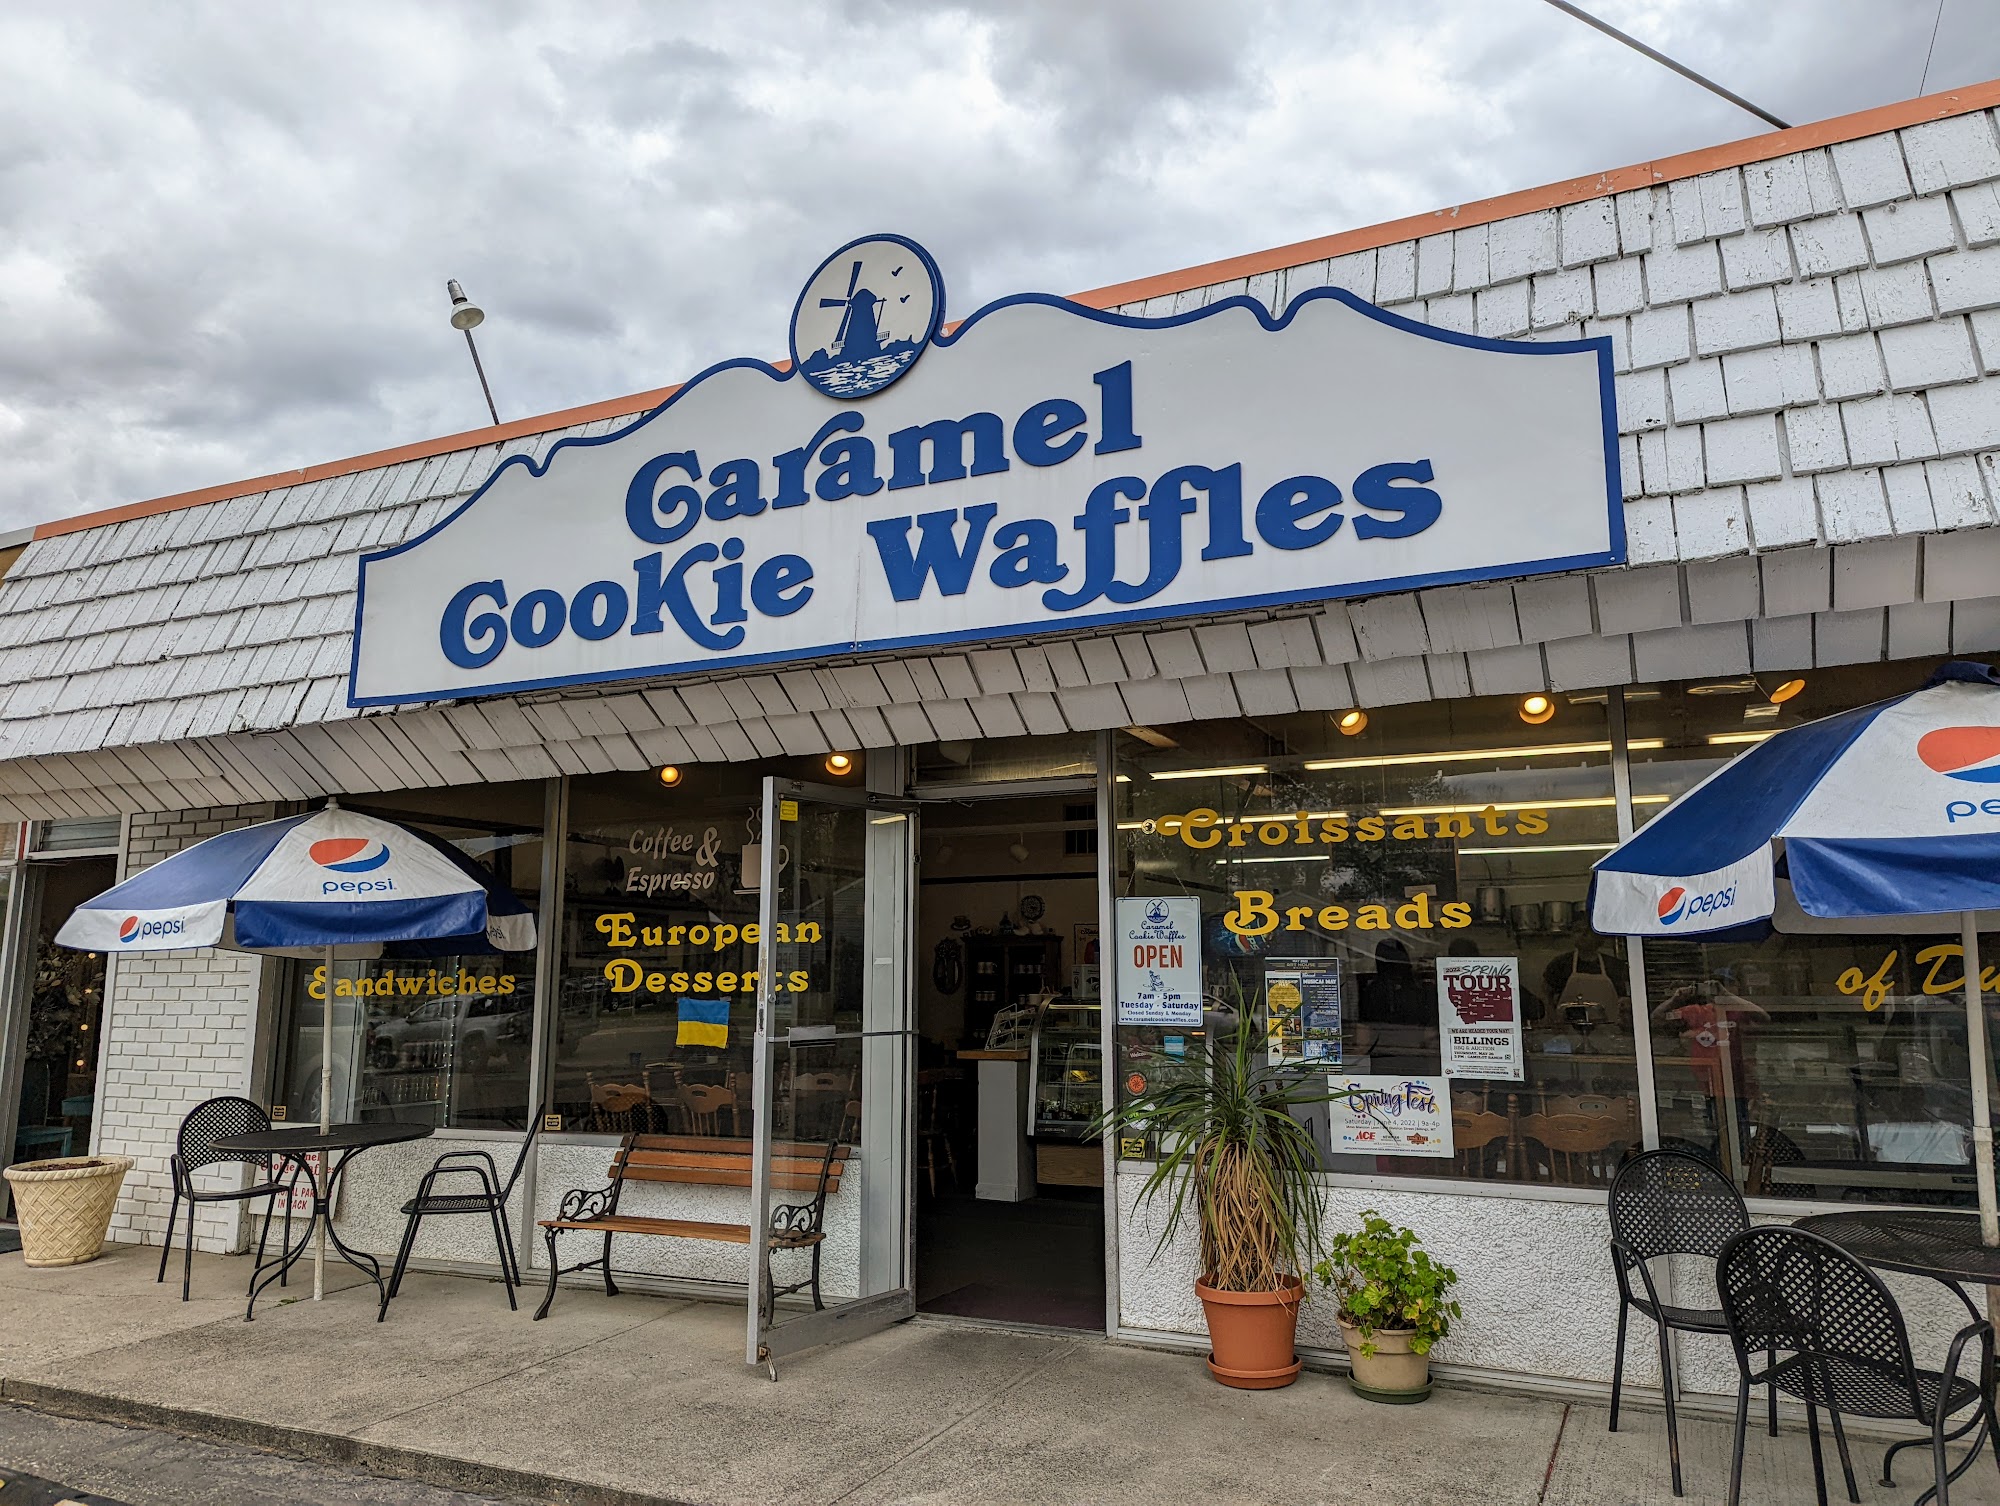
column 51, row 1461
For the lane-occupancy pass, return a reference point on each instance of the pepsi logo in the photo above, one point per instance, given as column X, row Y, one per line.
column 132, row 928
column 349, row 854
column 1968, row 753
column 1671, row 904
column 128, row 928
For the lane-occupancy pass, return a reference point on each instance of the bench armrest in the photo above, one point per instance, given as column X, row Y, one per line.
column 583, row 1203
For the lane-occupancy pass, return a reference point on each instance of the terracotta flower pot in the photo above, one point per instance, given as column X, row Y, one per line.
column 1392, row 1373
column 1251, row 1336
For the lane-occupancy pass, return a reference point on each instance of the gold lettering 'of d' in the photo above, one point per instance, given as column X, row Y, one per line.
column 1256, row 913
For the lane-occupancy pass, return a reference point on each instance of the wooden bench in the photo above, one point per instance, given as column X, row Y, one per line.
column 697, row 1160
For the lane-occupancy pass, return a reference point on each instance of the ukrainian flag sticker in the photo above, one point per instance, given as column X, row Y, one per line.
column 704, row 1022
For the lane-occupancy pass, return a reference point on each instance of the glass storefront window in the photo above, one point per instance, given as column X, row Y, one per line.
column 1829, row 1065
column 657, row 997
column 444, row 1040
column 1415, row 852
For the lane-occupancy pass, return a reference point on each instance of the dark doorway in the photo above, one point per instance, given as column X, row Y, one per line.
column 55, row 1069
column 1010, row 1198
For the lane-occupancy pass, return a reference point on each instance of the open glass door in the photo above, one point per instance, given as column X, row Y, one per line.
column 830, row 1174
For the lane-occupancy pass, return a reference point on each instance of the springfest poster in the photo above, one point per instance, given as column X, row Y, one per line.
column 1391, row 1116
column 1479, row 1017
column 1302, row 1009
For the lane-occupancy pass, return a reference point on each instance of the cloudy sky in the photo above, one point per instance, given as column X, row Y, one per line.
column 225, row 228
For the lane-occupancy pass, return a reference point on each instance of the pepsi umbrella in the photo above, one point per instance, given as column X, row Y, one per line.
column 331, row 884
column 1885, row 819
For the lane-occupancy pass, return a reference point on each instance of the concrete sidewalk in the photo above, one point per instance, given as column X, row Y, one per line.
column 643, row 1399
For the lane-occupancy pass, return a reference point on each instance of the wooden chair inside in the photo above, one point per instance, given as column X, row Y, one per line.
column 1476, row 1129
column 1577, row 1150
column 707, row 1106
column 619, row 1107
column 933, row 1138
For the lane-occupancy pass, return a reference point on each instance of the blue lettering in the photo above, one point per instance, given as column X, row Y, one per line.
column 792, row 464
column 673, row 593
column 729, row 586
column 1098, row 522
column 1416, row 507
column 938, row 553
column 1282, row 512
column 1225, row 513
column 1114, row 410
column 850, row 470
column 538, row 618
column 457, row 637
column 1165, row 505
column 1039, row 432
column 779, row 574
column 598, row 610
column 652, row 518
column 947, row 441
column 1030, row 553
column 736, row 492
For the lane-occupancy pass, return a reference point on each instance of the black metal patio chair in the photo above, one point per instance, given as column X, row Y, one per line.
column 195, row 1151
column 1665, row 1204
column 490, row 1199
column 1830, row 1334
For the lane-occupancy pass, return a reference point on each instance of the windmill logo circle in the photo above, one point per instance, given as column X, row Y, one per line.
column 349, row 854
column 866, row 314
column 1156, row 913
column 1968, row 753
column 128, row 929
column 1672, row 903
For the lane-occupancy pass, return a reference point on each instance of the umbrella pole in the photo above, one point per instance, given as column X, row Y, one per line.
column 1982, row 1107
column 325, row 1109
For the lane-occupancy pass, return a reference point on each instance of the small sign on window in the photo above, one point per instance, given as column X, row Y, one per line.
column 552, row 1124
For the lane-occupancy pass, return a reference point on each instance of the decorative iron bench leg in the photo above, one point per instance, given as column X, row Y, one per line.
column 554, row 1271
column 610, row 1286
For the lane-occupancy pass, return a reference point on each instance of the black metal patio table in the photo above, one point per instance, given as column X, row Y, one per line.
column 337, row 1145
column 1937, row 1243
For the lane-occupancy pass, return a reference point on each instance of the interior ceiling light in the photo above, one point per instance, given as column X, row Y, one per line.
column 1479, row 755
column 1222, row 773
column 1536, row 709
column 1744, row 686
column 1786, row 691
column 1353, row 722
column 1726, row 739
column 839, row 763
column 670, row 776
column 1762, row 711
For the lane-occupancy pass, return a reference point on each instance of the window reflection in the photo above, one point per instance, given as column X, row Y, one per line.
column 1437, row 851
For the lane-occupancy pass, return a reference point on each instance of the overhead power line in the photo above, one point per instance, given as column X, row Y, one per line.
column 1666, row 62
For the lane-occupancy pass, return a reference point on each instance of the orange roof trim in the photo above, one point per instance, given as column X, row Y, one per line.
column 1712, row 159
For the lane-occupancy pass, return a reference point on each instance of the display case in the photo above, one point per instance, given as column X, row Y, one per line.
column 1066, row 1070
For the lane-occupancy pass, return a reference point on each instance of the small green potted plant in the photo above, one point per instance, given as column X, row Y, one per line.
column 1232, row 1154
column 1395, row 1302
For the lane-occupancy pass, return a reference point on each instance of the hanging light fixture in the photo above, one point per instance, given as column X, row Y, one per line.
column 1785, row 691
column 670, row 775
column 1536, row 709
column 839, row 763
column 1353, row 723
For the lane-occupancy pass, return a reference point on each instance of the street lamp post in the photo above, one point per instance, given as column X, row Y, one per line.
column 466, row 316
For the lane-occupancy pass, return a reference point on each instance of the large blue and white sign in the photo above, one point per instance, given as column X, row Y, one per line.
column 1043, row 467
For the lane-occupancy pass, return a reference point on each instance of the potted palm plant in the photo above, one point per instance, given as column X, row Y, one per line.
column 1233, row 1158
column 1395, row 1302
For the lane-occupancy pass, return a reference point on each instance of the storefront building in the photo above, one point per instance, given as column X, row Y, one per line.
column 1349, row 599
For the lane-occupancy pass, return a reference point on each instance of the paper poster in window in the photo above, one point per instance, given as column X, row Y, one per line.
column 1302, row 1009
column 1390, row 1116
column 1479, row 1017
column 1159, row 963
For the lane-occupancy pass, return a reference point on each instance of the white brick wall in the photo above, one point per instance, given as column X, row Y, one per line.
column 179, row 1027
